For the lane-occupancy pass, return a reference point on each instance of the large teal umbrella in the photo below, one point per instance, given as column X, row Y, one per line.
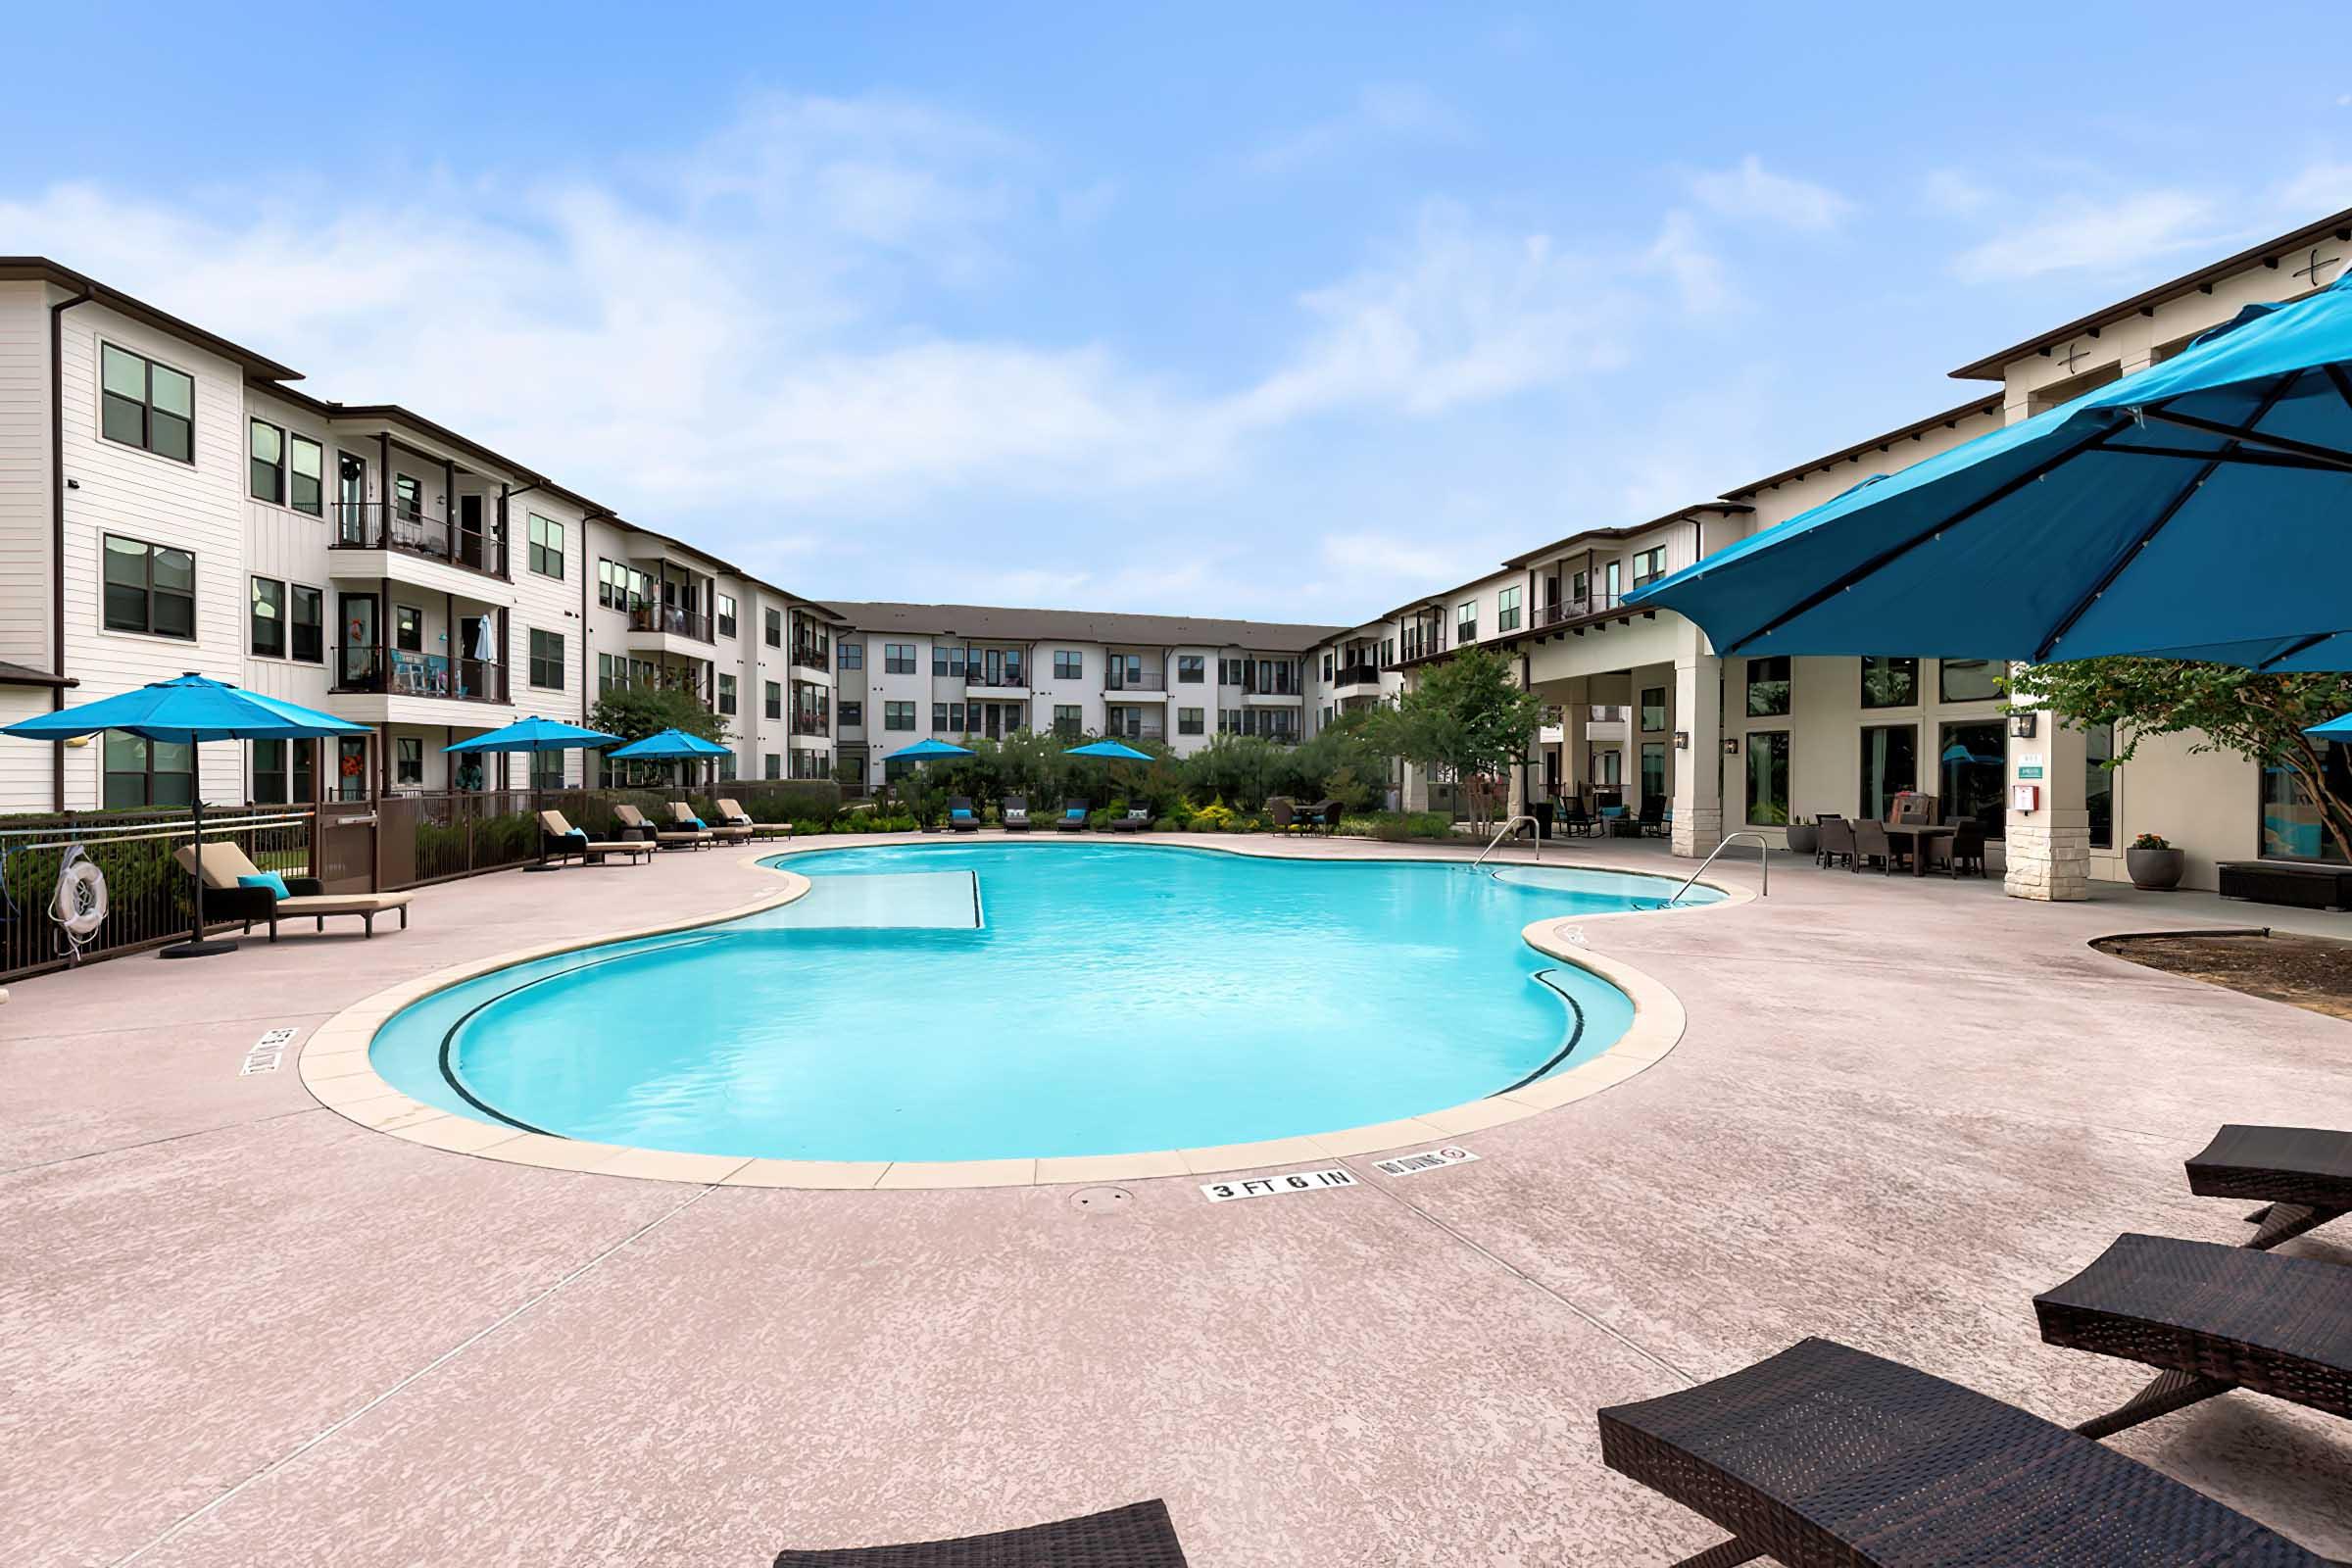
column 533, row 734
column 669, row 746
column 1114, row 750
column 2338, row 728
column 186, row 712
column 2194, row 509
column 926, row 750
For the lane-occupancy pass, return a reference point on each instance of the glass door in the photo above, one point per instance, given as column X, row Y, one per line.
column 1889, row 766
column 1975, row 765
column 363, row 639
column 351, row 500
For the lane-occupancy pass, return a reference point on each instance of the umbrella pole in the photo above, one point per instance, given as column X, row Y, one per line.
column 196, row 946
column 541, row 864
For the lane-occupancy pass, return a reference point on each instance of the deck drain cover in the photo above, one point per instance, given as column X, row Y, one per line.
column 1101, row 1199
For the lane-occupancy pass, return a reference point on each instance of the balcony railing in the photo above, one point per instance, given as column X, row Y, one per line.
column 812, row 656
column 818, row 724
column 1553, row 613
column 1416, row 643
column 1150, row 680
column 398, row 672
column 1154, row 730
column 1015, row 676
column 413, row 531
column 1284, row 682
column 1357, row 675
column 672, row 620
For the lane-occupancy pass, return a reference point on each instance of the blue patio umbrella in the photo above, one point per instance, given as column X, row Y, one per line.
column 668, row 746
column 533, row 734
column 2194, row 509
column 1110, row 749
column 927, row 751
column 186, row 712
column 2338, row 728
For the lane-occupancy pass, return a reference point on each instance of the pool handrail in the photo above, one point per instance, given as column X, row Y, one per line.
column 1503, row 832
column 1763, row 864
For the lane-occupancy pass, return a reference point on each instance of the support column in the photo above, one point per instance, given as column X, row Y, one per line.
column 1575, row 710
column 1698, row 744
column 2048, row 849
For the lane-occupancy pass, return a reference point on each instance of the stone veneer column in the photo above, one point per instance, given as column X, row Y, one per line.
column 1698, row 766
column 2048, row 849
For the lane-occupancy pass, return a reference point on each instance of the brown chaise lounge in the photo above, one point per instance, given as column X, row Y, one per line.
column 225, row 898
column 558, row 840
column 1016, row 813
column 1823, row 1456
column 2301, row 1175
column 686, row 818
column 668, row 838
column 1138, row 1536
column 1072, row 818
column 734, row 816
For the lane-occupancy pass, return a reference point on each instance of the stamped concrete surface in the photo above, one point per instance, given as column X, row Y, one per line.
column 237, row 1328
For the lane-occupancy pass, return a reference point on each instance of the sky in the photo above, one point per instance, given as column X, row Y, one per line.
column 1289, row 312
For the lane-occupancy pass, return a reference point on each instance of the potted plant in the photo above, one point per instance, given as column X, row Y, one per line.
column 2153, row 864
column 1804, row 838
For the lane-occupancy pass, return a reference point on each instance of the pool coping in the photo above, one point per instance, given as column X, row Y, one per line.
column 337, row 1072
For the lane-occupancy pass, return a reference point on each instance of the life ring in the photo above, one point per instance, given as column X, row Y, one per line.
column 79, row 905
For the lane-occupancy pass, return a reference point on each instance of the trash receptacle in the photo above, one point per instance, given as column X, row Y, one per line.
column 1540, row 810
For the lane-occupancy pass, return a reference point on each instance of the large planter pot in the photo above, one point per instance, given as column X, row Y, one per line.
column 1804, row 838
column 2156, row 870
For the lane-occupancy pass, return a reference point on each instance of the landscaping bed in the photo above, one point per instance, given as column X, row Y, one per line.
column 2314, row 973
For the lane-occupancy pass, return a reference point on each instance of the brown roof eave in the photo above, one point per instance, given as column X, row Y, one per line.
column 43, row 270
column 1974, row 408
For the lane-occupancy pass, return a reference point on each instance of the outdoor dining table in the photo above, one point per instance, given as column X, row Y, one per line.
column 1922, row 838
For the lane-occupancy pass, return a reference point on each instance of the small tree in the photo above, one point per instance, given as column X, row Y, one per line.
column 1467, row 714
column 2257, row 715
column 634, row 713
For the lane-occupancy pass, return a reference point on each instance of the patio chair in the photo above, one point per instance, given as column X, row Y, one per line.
column 1072, row 818
column 1016, row 813
column 733, row 814
column 962, row 818
column 1652, row 820
column 1963, row 853
column 1836, row 842
column 1138, row 1536
column 1873, row 847
column 636, row 822
column 558, row 840
column 228, row 896
column 1137, row 820
column 2302, row 1176
column 1283, row 813
column 1575, row 822
column 1823, row 1456
column 690, row 821
column 2210, row 1318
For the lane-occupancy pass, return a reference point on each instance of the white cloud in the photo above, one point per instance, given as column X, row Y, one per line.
column 1382, row 113
column 2094, row 237
column 1954, row 193
column 1751, row 193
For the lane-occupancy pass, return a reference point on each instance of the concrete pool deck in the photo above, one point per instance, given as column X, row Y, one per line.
column 237, row 1328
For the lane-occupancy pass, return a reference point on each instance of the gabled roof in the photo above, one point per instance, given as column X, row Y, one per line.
column 43, row 270
column 1001, row 623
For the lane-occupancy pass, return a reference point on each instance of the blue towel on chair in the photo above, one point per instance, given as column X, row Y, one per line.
column 265, row 879
column 962, row 813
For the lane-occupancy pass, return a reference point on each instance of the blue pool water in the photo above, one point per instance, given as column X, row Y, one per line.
column 988, row 1000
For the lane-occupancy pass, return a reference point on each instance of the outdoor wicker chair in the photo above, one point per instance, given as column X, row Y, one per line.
column 1836, row 842
column 962, row 818
column 1963, row 853
column 228, row 897
column 1324, row 815
column 559, row 840
column 732, row 813
column 1872, row 847
column 687, row 818
column 1016, row 813
column 1138, row 1536
column 2210, row 1318
column 1823, row 1456
column 2302, row 1176
column 1137, row 819
column 636, row 822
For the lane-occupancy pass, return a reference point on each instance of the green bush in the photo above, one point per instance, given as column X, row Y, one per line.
column 1401, row 827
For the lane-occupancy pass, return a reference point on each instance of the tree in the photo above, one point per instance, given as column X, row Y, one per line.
column 633, row 713
column 1466, row 713
column 2257, row 715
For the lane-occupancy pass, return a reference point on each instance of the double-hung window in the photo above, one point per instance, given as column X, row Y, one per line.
column 281, row 772
column 547, row 659
column 771, row 699
column 149, row 588
column 307, row 617
column 774, row 628
column 726, row 614
column 726, row 694
column 547, row 546
column 306, row 476
column 1506, row 610
column 853, row 715
column 147, row 405
column 898, row 658
column 267, row 446
column 849, row 655
column 137, row 772
column 1650, row 566
column 1188, row 720
column 1068, row 664
column 898, row 715
column 269, row 618
column 1465, row 625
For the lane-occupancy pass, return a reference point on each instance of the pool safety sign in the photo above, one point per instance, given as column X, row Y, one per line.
column 1427, row 1159
column 1297, row 1181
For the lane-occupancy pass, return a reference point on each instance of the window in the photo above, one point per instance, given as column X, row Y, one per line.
column 620, row 586
column 149, row 588
column 408, row 760
column 1388, row 652
column 1975, row 760
column 1191, row 721
column 1608, row 767
column 1768, row 778
column 771, row 699
column 1609, row 581
column 726, row 769
column 1327, row 668
column 1465, row 623
column 1580, row 589
column 547, row 770
column 1653, row 770
column 726, row 693
column 1767, row 688
column 771, row 766
column 853, row 715
column 408, row 629
column 1068, row 664
column 408, row 500
column 898, row 715
column 1506, row 610
column 281, row 772
column 898, row 658
column 269, row 618
column 307, row 463
column 267, row 449
column 851, row 656
column 1889, row 766
column 547, row 659
column 1650, row 566
column 1889, row 682
column 939, row 717
column 1654, row 709
column 2098, row 783
column 1968, row 681
column 147, row 405
column 1229, row 671
column 309, row 620
column 1069, row 720
column 547, row 546
column 773, row 623
column 143, row 772
column 726, row 614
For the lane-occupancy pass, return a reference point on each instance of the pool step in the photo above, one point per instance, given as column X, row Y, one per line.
column 885, row 901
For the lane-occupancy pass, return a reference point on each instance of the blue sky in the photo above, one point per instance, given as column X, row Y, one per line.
column 1281, row 311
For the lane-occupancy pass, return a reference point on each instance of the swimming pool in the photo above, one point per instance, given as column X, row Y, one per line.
column 962, row 1000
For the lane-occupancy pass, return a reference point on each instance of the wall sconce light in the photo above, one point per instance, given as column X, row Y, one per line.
column 1682, row 740
column 1731, row 745
column 2021, row 727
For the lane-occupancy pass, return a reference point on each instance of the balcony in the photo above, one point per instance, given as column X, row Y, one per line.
column 398, row 672
column 812, row 656
column 410, row 530
column 1152, row 728
column 818, row 723
column 1014, row 679
column 670, row 621
column 1356, row 675
column 1150, row 680
column 1560, row 612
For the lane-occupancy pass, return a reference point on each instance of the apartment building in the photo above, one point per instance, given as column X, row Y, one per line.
column 908, row 672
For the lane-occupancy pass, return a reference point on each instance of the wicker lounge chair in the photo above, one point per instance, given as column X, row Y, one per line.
column 1072, row 818
column 1016, row 813
column 1138, row 1536
column 733, row 814
column 1138, row 819
column 227, row 899
column 688, row 820
column 670, row 838
column 2211, row 1319
column 962, row 818
column 558, row 840
column 2301, row 1175
column 1824, row 1458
